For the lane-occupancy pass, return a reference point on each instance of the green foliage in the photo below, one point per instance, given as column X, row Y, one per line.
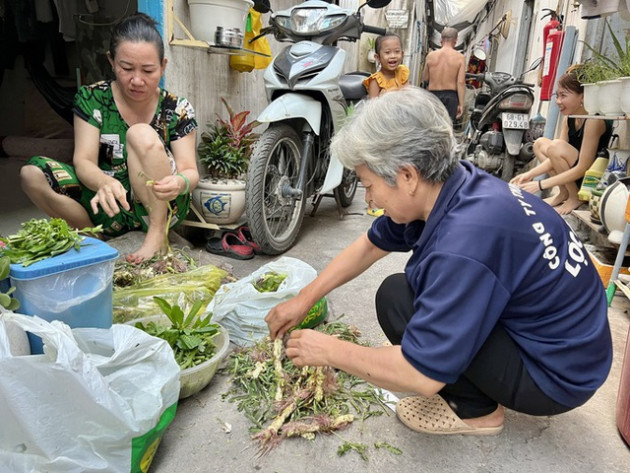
column 225, row 148
column 6, row 301
column 39, row 239
column 602, row 67
column 189, row 336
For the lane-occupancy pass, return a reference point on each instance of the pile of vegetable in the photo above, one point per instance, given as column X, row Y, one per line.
column 39, row 239
column 131, row 274
column 269, row 282
column 190, row 336
column 283, row 401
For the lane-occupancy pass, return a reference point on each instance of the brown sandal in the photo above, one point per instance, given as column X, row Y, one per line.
column 433, row 415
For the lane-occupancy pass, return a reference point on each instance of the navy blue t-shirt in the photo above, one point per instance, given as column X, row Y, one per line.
column 491, row 253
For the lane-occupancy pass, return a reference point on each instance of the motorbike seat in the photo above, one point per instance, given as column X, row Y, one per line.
column 351, row 85
column 482, row 100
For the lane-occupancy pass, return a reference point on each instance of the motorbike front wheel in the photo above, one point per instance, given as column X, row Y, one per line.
column 344, row 192
column 274, row 216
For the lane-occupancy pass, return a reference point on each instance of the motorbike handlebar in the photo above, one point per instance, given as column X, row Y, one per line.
column 374, row 29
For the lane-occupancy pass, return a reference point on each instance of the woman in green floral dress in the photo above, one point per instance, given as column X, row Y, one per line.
column 134, row 157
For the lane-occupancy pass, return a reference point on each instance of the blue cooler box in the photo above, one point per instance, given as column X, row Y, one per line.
column 74, row 287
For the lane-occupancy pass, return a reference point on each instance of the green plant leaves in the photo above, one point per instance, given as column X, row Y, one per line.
column 39, row 239
column 225, row 148
column 602, row 67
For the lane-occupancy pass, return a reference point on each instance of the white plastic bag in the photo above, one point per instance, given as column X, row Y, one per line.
column 97, row 400
column 241, row 309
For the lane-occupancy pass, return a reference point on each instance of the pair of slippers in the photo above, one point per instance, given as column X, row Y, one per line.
column 237, row 244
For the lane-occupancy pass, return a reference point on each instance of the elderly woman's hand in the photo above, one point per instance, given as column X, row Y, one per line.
column 285, row 316
column 109, row 196
column 168, row 188
column 310, row 348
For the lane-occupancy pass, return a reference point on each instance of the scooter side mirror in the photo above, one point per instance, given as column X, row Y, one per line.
column 377, row 3
column 262, row 6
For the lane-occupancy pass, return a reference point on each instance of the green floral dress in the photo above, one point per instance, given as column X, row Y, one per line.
column 174, row 119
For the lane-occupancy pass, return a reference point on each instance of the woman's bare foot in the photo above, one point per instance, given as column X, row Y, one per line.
column 495, row 419
column 557, row 199
column 569, row 205
column 154, row 243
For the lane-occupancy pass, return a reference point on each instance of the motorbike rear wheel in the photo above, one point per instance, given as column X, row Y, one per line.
column 275, row 217
column 344, row 192
column 507, row 169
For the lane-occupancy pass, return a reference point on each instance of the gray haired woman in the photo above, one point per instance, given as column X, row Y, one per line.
column 497, row 306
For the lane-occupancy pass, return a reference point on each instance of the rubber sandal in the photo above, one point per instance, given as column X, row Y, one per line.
column 229, row 245
column 245, row 236
column 433, row 415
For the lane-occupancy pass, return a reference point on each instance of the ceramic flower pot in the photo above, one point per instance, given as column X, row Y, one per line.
column 220, row 201
column 609, row 93
column 625, row 95
column 591, row 99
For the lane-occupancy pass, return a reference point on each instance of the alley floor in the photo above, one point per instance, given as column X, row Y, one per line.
column 583, row 440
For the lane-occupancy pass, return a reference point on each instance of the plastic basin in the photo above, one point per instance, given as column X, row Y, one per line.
column 192, row 380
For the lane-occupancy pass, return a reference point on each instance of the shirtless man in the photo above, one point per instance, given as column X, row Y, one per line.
column 445, row 74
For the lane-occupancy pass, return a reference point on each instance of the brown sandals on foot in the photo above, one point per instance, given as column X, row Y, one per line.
column 433, row 415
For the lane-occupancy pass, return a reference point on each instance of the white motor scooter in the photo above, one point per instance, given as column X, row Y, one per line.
column 309, row 99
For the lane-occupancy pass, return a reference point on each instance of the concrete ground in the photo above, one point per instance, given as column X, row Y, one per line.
column 584, row 440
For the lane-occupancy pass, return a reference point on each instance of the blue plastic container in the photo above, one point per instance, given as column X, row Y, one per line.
column 74, row 287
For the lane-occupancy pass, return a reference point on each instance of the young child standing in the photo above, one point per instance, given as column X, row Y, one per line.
column 392, row 75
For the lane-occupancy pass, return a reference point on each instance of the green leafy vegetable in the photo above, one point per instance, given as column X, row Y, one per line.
column 39, row 239
column 269, row 282
column 360, row 448
column 190, row 337
column 6, row 301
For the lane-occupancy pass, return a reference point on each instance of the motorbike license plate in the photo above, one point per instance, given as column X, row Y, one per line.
column 519, row 121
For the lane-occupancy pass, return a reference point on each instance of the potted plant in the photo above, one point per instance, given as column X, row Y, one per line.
column 224, row 152
column 611, row 74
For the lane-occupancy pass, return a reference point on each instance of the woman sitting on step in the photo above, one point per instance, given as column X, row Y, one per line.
column 566, row 159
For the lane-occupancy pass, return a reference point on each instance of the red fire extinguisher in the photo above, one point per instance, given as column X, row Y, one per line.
column 553, row 36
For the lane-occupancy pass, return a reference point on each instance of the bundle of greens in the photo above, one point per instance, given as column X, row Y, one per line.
column 284, row 401
column 183, row 289
column 189, row 336
column 39, row 239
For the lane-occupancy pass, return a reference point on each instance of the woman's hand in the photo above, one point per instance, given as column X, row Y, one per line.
column 169, row 187
column 285, row 316
column 108, row 196
column 310, row 347
column 531, row 187
column 520, row 179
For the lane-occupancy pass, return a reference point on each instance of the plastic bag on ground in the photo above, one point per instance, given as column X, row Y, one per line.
column 97, row 400
column 241, row 309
